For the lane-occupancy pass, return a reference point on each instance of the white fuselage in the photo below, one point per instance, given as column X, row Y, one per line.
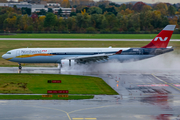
column 55, row 55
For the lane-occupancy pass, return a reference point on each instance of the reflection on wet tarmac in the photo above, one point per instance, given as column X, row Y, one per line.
column 142, row 96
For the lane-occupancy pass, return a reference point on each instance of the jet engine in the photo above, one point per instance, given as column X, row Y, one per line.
column 67, row 63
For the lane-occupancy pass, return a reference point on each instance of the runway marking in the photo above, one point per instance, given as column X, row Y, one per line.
column 90, row 118
column 84, row 118
column 77, row 118
column 154, row 85
column 142, row 83
column 170, row 84
column 158, row 94
column 67, row 113
column 55, row 109
column 90, row 108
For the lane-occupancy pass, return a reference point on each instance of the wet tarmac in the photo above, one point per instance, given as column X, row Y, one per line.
column 66, row 39
column 143, row 95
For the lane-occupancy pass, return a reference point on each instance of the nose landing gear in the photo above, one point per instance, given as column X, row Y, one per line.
column 20, row 67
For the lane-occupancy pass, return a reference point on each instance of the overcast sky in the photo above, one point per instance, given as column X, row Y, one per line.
column 147, row 1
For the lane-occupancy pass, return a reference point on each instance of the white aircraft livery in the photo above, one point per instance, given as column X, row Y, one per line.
column 85, row 55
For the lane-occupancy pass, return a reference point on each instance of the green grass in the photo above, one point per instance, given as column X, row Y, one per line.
column 37, row 84
column 39, row 97
column 9, row 45
column 90, row 36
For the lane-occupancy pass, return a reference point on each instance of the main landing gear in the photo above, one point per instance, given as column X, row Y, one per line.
column 20, row 67
column 69, row 62
column 59, row 66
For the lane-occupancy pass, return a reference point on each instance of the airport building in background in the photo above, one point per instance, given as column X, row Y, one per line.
column 37, row 5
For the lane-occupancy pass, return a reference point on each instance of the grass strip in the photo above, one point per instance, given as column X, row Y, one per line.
column 39, row 97
column 88, row 36
column 37, row 84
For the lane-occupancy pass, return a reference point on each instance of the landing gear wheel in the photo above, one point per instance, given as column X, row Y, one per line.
column 20, row 67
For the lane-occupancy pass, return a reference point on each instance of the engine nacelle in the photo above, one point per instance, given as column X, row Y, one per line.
column 67, row 63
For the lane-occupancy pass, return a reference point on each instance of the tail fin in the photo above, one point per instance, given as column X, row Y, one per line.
column 162, row 39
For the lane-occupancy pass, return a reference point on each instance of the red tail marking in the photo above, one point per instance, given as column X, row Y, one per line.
column 162, row 39
column 119, row 52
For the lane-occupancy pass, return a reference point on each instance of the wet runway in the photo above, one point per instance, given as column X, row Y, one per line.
column 143, row 95
column 81, row 39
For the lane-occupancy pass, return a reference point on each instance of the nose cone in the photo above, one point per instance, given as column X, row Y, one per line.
column 3, row 56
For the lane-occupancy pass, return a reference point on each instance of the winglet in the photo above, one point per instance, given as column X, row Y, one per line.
column 162, row 39
column 119, row 52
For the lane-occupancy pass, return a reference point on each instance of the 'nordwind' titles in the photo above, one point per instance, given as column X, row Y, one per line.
column 31, row 51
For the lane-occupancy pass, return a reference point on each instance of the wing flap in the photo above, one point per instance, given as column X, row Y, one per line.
column 93, row 58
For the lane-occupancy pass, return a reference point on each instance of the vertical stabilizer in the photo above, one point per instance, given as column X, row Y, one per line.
column 162, row 39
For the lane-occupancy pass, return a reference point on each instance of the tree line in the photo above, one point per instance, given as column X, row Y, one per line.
column 111, row 18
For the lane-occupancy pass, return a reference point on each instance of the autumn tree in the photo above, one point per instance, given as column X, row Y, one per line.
column 2, row 19
column 60, row 12
column 145, row 20
column 11, row 22
column 112, row 10
column 41, row 20
column 122, row 7
column 96, row 20
column 25, row 22
column 138, row 7
column 114, row 4
column 173, row 21
column 83, row 21
column 42, row 12
column 26, row 10
column 134, row 22
column 146, row 8
column 73, row 12
column 35, row 21
column 60, row 24
column 112, row 20
column 105, row 24
column 49, row 21
column 123, row 22
column 71, row 24
column 50, row 10
column 171, row 10
column 129, row 5
column 94, row 10
column 65, row 3
column 126, row 12
column 161, row 7
column 177, row 12
column 75, row 2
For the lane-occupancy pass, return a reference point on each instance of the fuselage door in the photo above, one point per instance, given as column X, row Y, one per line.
column 140, row 51
column 50, row 51
column 99, row 51
column 18, row 53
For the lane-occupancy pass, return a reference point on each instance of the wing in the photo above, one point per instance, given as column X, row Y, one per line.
column 93, row 58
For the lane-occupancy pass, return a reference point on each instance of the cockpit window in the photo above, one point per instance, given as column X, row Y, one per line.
column 8, row 53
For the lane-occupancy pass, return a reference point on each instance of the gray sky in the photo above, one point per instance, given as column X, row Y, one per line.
column 147, row 1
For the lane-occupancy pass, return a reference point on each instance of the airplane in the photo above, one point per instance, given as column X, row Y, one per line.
column 156, row 47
